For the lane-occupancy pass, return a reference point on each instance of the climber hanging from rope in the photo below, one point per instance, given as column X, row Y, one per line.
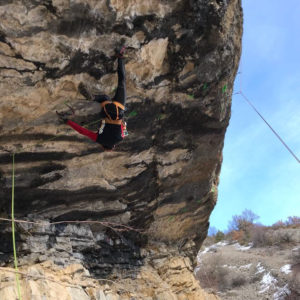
column 112, row 127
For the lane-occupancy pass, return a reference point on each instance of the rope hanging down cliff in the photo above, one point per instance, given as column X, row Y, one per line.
column 13, row 227
column 240, row 92
column 112, row 114
column 113, row 226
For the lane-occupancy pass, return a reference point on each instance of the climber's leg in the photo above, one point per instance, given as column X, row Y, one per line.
column 120, row 95
column 90, row 134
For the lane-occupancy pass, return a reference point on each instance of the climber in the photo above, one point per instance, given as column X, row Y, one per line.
column 112, row 128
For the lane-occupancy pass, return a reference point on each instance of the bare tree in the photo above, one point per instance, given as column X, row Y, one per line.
column 242, row 222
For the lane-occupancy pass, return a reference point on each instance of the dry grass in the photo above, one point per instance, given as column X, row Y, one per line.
column 294, row 286
column 213, row 275
column 294, row 282
column 295, row 257
column 260, row 237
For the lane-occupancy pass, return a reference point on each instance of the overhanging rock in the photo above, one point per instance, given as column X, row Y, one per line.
column 162, row 179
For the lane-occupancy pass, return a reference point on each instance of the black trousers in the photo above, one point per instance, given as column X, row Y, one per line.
column 120, row 95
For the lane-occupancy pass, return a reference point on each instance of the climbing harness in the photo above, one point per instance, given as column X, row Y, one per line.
column 118, row 105
column 110, row 120
column 115, row 122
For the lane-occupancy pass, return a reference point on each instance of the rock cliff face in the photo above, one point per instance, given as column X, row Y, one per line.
column 162, row 179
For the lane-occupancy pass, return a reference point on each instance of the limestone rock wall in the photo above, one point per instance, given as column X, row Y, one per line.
column 48, row 281
column 182, row 59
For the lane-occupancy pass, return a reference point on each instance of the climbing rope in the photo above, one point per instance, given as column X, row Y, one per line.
column 114, row 226
column 111, row 225
column 13, row 226
column 268, row 124
column 240, row 92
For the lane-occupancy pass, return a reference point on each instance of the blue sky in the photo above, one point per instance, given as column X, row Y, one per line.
column 258, row 173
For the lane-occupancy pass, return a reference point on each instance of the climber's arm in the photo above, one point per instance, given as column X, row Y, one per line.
column 101, row 98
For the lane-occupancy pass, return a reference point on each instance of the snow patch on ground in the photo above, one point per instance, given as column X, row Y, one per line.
column 266, row 278
column 267, row 282
column 286, row 269
column 243, row 248
column 260, row 268
column 212, row 248
column 246, row 266
column 282, row 293
column 229, row 267
column 222, row 244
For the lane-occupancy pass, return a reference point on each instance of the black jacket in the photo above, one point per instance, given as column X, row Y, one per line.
column 111, row 135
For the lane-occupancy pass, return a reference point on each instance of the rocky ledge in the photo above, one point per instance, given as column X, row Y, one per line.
column 148, row 203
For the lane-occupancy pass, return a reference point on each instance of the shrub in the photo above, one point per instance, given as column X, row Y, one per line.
column 240, row 226
column 294, row 282
column 214, row 275
column 294, row 287
column 238, row 235
column 219, row 236
column 296, row 257
column 278, row 224
column 293, row 221
column 243, row 221
column 237, row 280
column 260, row 237
column 210, row 240
column 283, row 237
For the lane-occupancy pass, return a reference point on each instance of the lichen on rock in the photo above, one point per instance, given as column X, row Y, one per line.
column 161, row 180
